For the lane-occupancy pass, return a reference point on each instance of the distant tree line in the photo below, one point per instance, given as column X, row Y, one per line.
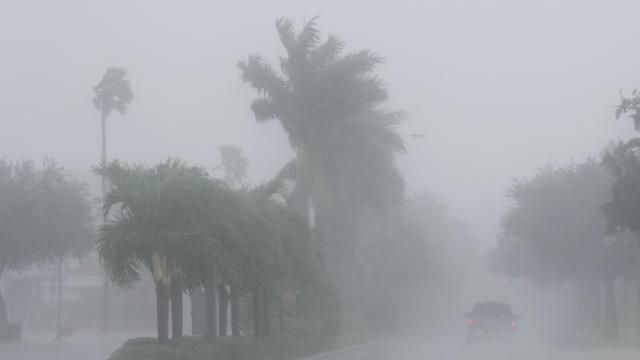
column 579, row 224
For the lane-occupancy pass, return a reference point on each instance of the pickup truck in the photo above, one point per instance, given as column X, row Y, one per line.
column 491, row 318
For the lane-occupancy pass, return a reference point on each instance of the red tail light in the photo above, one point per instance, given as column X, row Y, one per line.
column 514, row 324
column 470, row 322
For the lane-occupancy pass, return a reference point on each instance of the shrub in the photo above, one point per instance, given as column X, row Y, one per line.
column 145, row 352
column 300, row 340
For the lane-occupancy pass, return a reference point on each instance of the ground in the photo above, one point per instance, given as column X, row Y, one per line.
column 420, row 348
column 96, row 346
column 89, row 345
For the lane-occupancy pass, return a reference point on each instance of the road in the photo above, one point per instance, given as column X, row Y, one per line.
column 417, row 348
column 98, row 347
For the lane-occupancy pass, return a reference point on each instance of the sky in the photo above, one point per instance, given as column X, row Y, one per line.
column 498, row 89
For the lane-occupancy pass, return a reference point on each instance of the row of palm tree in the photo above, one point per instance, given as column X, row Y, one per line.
column 330, row 105
column 191, row 231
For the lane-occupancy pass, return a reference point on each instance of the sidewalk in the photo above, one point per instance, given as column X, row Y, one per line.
column 83, row 345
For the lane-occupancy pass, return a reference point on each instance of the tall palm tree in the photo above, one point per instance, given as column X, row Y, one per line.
column 113, row 92
column 329, row 104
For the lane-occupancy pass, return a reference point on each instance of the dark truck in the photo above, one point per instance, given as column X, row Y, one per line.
column 491, row 318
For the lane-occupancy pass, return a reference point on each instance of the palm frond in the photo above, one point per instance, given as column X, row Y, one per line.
column 113, row 92
column 326, row 53
column 262, row 77
column 287, row 34
column 264, row 109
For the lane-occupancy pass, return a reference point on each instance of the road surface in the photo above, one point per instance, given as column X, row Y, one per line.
column 419, row 348
column 95, row 346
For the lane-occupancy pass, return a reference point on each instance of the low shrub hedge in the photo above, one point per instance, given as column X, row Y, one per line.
column 291, row 345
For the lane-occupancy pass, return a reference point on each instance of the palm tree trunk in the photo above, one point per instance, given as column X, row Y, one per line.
column 104, row 322
column 59, row 307
column 176, row 308
column 266, row 313
column 280, row 313
column 235, row 311
column 257, row 318
column 223, row 309
column 611, row 330
column 637, row 306
column 162, row 312
column 596, row 307
column 211, row 303
column 4, row 319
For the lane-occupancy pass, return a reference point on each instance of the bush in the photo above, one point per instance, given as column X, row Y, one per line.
column 145, row 352
column 300, row 340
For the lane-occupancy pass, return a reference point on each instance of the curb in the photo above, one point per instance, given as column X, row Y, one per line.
column 329, row 354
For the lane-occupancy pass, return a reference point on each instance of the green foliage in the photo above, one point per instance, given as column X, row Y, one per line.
column 145, row 352
column 166, row 209
column 197, row 228
column 406, row 252
column 113, row 92
column 299, row 342
column 556, row 231
column 623, row 208
column 44, row 214
column 630, row 106
column 329, row 103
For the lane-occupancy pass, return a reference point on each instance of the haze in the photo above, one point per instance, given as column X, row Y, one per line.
column 495, row 90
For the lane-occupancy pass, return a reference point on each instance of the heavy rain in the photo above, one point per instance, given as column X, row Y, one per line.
column 306, row 180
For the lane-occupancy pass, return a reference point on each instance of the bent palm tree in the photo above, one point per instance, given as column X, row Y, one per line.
column 345, row 143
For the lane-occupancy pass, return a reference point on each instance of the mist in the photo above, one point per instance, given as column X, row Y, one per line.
column 495, row 95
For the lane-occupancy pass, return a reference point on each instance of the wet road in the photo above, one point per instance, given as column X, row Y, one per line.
column 416, row 348
column 98, row 347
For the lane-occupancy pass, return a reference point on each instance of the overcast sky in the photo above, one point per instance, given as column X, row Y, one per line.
column 498, row 88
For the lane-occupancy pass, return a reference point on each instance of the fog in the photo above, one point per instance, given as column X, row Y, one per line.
column 494, row 91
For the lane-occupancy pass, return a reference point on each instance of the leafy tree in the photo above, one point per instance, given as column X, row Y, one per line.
column 630, row 106
column 406, row 257
column 555, row 232
column 330, row 106
column 623, row 207
column 112, row 93
column 44, row 216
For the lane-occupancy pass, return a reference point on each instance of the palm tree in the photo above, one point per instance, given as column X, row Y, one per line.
column 161, row 225
column 345, row 143
column 113, row 92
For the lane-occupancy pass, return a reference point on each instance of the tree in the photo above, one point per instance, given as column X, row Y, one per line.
column 112, row 93
column 621, row 160
column 630, row 106
column 406, row 257
column 44, row 216
column 161, row 223
column 555, row 232
column 234, row 164
column 623, row 208
column 330, row 106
